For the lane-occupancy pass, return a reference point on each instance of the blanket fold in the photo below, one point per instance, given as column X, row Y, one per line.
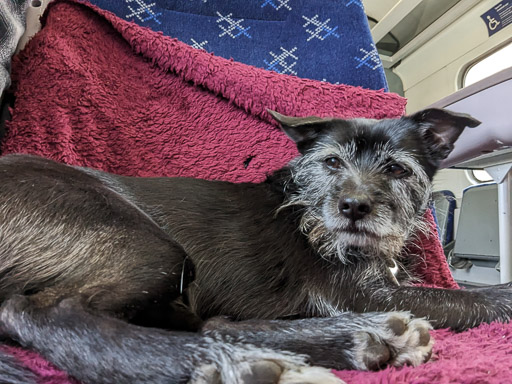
column 95, row 90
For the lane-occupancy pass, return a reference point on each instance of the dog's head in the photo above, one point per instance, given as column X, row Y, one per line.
column 366, row 183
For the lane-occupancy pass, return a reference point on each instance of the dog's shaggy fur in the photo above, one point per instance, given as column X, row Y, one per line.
column 317, row 239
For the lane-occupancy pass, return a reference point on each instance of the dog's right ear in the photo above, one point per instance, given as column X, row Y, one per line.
column 302, row 130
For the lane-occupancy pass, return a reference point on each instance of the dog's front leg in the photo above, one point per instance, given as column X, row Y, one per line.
column 456, row 309
column 97, row 349
column 366, row 341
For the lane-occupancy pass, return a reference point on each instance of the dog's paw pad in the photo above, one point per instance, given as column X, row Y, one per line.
column 424, row 335
column 376, row 355
column 309, row 375
column 397, row 339
column 397, row 325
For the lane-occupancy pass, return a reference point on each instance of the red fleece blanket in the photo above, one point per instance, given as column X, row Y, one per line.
column 94, row 90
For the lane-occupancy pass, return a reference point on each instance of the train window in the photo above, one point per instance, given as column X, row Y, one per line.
column 481, row 176
column 489, row 65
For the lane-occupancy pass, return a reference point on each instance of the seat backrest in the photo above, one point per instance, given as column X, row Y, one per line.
column 315, row 39
column 477, row 231
column 444, row 206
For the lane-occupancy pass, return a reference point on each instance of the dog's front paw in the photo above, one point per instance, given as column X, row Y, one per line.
column 395, row 339
column 267, row 371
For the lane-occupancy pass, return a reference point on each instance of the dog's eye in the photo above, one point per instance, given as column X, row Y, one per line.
column 397, row 170
column 333, row 162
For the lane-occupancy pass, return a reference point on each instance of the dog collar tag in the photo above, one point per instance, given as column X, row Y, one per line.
column 394, row 270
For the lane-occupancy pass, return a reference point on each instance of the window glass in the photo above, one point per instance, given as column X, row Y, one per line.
column 481, row 176
column 488, row 66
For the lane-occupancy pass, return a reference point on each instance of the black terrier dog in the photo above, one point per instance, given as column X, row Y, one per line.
column 315, row 254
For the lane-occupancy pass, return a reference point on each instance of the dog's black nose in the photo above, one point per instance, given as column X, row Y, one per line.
column 354, row 209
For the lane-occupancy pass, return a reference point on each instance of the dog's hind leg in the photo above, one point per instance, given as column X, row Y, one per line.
column 102, row 350
column 65, row 232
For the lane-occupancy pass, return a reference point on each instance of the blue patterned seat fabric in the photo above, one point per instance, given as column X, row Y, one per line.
column 326, row 40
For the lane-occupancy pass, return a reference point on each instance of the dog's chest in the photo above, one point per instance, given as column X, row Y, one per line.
column 333, row 292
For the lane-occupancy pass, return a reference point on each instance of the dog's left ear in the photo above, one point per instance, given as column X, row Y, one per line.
column 441, row 128
column 302, row 130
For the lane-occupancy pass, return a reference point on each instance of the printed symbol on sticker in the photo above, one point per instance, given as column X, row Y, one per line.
column 493, row 23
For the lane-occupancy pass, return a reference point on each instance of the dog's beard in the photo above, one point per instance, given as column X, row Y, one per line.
column 336, row 238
